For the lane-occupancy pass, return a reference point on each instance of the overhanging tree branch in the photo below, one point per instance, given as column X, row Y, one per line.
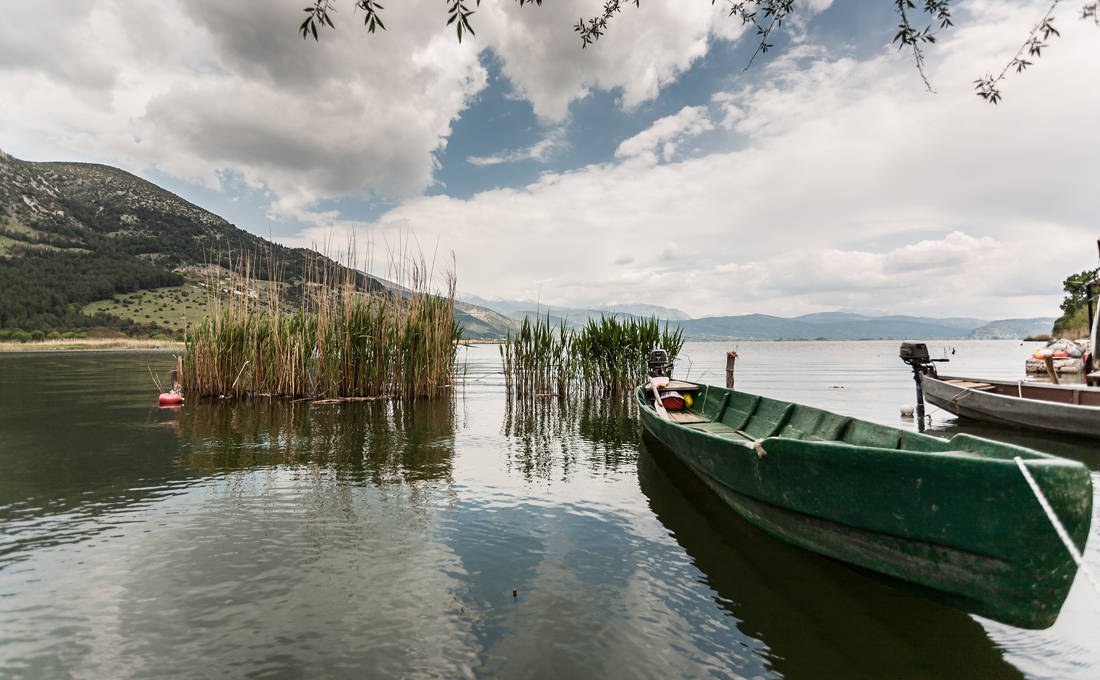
column 767, row 16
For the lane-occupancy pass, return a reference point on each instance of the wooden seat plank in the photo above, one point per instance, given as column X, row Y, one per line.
column 681, row 386
column 686, row 417
column 966, row 384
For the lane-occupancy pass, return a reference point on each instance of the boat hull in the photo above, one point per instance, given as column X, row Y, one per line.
column 956, row 522
column 1036, row 414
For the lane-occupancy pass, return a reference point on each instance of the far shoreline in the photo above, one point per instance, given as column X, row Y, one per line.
column 89, row 344
column 115, row 344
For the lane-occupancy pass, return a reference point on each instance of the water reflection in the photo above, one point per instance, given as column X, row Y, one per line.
column 379, row 442
column 80, row 440
column 818, row 618
column 282, row 539
column 545, row 436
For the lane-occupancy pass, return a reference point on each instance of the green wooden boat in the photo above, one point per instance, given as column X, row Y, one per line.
column 955, row 516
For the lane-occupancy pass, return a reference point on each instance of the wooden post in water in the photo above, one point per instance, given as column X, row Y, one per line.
column 1049, row 361
column 177, row 374
column 731, row 357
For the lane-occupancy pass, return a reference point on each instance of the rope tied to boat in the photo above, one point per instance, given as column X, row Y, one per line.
column 1057, row 524
column 961, row 395
column 757, row 444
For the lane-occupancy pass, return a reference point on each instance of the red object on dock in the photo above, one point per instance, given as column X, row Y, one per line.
column 170, row 399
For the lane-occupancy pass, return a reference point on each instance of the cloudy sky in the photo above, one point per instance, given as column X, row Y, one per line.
column 651, row 167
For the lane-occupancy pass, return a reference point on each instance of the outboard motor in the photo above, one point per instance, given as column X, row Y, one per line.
column 659, row 365
column 916, row 355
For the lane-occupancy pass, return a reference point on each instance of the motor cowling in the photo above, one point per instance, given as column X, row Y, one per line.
column 659, row 364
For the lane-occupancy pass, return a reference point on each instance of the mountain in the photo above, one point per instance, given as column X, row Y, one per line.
column 643, row 310
column 1012, row 329
column 575, row 316
column 820, row 325
column 84, row 245
column 960, row 323
column 481, row 323
column 842, row 326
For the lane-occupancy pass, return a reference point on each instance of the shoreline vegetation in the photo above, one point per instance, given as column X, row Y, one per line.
column 99, row 344
column 345, row 337
column 89, row 344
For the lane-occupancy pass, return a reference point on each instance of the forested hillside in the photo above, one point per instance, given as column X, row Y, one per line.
column 75, row 233
column 85, row 245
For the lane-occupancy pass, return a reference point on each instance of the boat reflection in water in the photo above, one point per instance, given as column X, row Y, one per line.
column 818, row 617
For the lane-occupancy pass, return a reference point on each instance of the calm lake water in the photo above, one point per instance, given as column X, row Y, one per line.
column 271, row 539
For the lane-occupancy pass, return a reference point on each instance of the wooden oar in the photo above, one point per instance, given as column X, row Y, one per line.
column 657, row 403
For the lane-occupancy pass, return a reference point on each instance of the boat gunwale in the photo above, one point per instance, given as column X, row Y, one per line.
column 1026, row 383
column 1001, row 401
column 957, row 454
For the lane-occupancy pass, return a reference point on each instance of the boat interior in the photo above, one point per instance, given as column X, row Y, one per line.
column 745, row 418
column 1062, row 394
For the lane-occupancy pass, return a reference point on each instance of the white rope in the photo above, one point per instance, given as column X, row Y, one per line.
column 1062, row 533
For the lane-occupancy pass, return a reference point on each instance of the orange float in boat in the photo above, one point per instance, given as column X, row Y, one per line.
column 1061, row 355
column 170, row 399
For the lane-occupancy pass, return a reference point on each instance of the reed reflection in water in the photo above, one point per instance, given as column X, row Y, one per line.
column 549, row 437
column 376, row 442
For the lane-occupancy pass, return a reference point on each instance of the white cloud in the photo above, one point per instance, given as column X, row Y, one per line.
column 201, row 88
column 539, row 151
column 847, row 176
column 666, row 132
column 855, row 189
column 644, row 49
column 204, row 88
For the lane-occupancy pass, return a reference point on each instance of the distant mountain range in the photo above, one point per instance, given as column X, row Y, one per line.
column 847, row 326
column 821, row 325
column 518, row 309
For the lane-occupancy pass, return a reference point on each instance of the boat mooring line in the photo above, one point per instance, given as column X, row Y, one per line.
column 1061, row 530
column 961, row 395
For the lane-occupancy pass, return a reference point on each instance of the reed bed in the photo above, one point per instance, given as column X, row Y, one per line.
column 607, row 357
column 539, row 358
column 344, row 337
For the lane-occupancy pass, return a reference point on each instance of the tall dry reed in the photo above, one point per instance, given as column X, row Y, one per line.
column 346, row 336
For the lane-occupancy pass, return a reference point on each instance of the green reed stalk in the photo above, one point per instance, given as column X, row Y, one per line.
column 608, row 356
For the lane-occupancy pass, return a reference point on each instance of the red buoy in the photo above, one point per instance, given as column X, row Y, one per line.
column 170, row 399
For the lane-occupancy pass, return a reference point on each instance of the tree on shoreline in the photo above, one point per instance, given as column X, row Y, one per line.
column 765, row 17
column 1074, row 317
